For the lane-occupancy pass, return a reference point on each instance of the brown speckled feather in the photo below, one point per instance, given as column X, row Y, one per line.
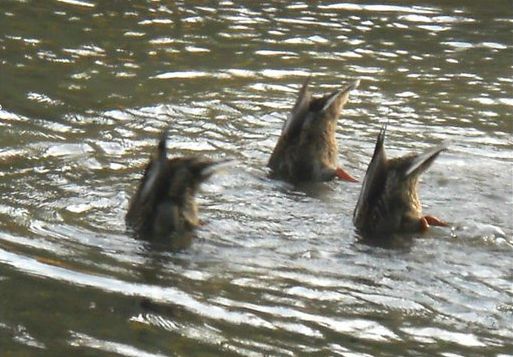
column 164, row 200
column 307, row 149
column 389, row 201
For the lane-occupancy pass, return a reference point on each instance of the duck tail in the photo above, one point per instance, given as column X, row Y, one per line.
column 156, row 167
column 337, row 94
column 216, row 167
column 380, row 141
column 423, row 161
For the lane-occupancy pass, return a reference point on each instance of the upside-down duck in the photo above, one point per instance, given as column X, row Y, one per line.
column 389, row 201
column 307, row 150
column 164, row 202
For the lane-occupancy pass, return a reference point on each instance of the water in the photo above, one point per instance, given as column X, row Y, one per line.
column 87, row 86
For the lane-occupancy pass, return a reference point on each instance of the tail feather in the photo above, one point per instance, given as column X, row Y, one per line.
column 380, row 141
column 216, row 167
column 296, row 116
column 335, row 95
column 303, row 96
column 155, row 167
column 422, row 161
column 375, row 178
column 161, row 149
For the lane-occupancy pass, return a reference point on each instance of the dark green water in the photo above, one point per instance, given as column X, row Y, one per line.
column 87, row 86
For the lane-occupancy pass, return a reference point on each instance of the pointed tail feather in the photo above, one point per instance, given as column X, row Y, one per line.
column 337, row 94
column 301, row 106
column 424, row 160
column 303, row 97
column 217, row 166
column 155, row 167
column 380, row 140
column 161, row 149
column 375, row 178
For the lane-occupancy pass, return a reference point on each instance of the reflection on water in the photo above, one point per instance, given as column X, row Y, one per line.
column 87, row 86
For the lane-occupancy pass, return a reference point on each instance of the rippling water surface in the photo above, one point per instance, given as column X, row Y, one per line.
column 87, row 86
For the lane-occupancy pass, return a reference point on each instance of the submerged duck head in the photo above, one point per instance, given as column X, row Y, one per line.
column 307, row 149
column 164, row 200
column 389, row 201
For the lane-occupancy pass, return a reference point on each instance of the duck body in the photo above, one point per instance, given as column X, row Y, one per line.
column 307, row 150
column 389, row 202
column 164, row 201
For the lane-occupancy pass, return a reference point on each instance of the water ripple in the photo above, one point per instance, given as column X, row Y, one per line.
column 87, row 88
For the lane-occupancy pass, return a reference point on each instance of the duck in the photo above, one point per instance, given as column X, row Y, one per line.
column 164, row 202
column 389, row 201
column 307, row 150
